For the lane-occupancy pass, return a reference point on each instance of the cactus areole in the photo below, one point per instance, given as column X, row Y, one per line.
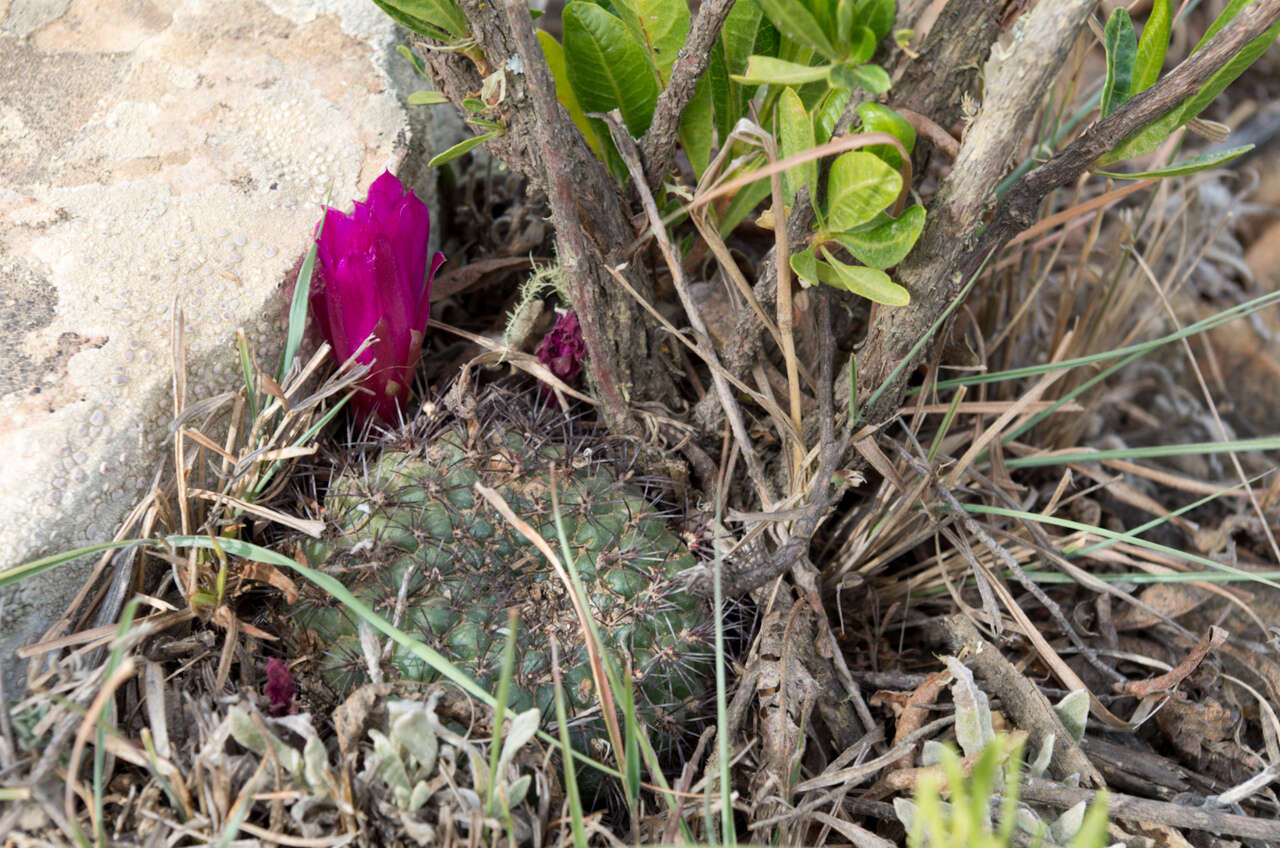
column 411, row 537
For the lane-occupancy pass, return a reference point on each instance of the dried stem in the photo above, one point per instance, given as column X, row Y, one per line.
column 1129, row 808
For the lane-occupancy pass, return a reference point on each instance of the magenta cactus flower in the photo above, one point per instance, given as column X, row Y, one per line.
column 562, row 349
column 374, row 280
column 280, row 687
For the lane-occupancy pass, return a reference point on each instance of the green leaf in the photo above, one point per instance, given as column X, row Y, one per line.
column 841, row 77
column 1073, row 712
column 805, row 266
column 1203, row 162
column 1122, row 49
column 1227, row 74
column 427, row 98
column 738, row 36
column 827, row 115
column 726, row 95
column 887, row 244
column 877, row 15
column 765, row 70
column 846, row 13
column 871, row 283
column 696, row 130
column 461, row 148
column 825, row 12
column 873, row 78
column 1152, row 46
column 859, row 186
column 607, row 66
column 737, row 41
column 861, row 44
column 747, row 199
column 1226, row 16
column 414, row 59
column 795, row 135
column 768, row 39
column 795, row 22
column 877, row 118
column 554, row 54
column 661, row 27
column 439, row 19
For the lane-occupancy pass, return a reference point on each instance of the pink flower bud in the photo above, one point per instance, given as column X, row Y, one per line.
column 280, row 687
column 562, row 349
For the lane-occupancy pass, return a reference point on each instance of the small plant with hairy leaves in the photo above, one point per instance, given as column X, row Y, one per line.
column 414, row 765
column 966, row 821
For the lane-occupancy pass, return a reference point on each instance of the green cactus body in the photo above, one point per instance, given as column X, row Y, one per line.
column 412, row 524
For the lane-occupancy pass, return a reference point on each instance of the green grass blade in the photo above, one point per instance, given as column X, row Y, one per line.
column 246, row 368
column 100, row 739
column 37, row 566
column 1240, row 574
column 727, row 833
column 1148, row 452
column 307, row 436
column 298, row 308
column 1157, row 521
column 504, row 695
column 944, row 427
column 570, row 775
column 335, row 589
column 1227, row 315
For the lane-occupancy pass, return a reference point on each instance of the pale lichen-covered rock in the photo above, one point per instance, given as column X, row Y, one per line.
column 153, row 153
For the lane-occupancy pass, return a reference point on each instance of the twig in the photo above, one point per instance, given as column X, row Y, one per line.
column 786, row 314
column 1134, row 809
column 659, row 144
column 928, row 128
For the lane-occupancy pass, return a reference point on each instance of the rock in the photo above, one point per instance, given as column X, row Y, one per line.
column 153, row 154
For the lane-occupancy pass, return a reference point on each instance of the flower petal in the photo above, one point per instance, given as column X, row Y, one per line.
column 384, row 193
column 372, row 278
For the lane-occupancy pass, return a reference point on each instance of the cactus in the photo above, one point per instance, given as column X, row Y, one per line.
column 411, row 537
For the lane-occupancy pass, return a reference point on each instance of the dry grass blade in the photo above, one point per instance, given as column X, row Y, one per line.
column 1100, row 202
column 123, row 672
column 1213, row 407
column 311, row 527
